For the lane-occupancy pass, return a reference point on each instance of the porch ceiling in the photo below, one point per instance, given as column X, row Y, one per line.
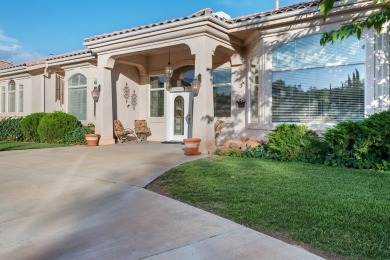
column 154, row 52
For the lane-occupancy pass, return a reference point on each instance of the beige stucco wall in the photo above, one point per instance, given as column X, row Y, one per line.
column 124, row 111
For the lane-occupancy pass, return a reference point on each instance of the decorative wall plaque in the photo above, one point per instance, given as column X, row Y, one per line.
column 126, row 92
column 134, row 100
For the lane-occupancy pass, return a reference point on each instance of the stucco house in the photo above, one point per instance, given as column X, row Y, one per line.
column 272, row 60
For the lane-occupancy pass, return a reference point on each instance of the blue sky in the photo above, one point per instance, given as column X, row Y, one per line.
column 34, row 29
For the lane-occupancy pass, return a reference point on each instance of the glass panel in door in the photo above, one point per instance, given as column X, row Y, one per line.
column 178, row 116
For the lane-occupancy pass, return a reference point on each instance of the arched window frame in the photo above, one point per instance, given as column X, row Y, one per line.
column 11, row 97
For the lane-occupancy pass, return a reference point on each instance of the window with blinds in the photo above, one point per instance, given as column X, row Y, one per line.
column 315, row 83
column 156, row 96
column 11, row 96
column 20, row 98
column 77, row 96
column 222, row 92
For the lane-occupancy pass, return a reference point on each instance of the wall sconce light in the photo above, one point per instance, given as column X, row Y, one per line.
column 95, row 95
column 195, row 84
column 96, row 91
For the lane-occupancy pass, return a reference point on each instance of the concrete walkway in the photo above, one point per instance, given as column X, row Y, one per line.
column 89, row 203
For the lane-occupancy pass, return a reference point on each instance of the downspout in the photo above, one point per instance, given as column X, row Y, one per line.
column 44, row 86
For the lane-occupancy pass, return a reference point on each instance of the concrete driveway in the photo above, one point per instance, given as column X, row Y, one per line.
column 89, row 203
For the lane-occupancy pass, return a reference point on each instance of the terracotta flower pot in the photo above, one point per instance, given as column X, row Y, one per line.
column 191, row 146
column 92, row 139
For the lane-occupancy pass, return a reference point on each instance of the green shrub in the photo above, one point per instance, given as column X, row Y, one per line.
column 262, row 151
column 77, row 136
column 56, row 126
column 10, row 129
column 363, row 145
column 29, row 126
column 231, row 153
column 290, row 142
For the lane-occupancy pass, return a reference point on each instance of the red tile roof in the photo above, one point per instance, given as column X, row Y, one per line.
column 13, row 66
column 203, row 12
column 281, row 10
column 206, row 12
column 4, row 63
column 43, row 60
column 70, row 54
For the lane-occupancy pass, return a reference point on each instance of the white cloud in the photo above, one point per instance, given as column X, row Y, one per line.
column 12, row 50
column 6, row 39
column 9, row 48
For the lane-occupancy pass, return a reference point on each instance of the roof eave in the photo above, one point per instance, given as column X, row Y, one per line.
column 75, row 58
column 13, row 69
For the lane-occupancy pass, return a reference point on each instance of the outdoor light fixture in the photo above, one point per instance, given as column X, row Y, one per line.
column 96, row 91
column 168, row 72
column 195, row 84
column 95, row 95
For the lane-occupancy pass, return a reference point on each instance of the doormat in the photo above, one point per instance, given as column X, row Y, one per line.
column 172, row 142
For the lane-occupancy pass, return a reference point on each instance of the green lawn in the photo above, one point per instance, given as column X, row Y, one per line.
column 339, row 211
column 10, row 146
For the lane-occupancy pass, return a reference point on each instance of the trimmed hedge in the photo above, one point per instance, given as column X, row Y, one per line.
column 10, row 129
column 29, row 126
column 54, row 127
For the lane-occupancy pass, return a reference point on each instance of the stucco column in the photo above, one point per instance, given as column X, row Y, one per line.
column 203, row 110
column 104, row 111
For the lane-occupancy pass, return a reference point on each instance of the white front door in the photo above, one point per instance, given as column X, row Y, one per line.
column 179, row 116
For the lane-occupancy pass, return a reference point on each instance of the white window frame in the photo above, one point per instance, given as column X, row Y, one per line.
column 150, row 96
column 228, row 84
column 20, row 98
column 3, row 92
column 330, row 66
column 9, row 92
column 80, row 86
column 249, row 90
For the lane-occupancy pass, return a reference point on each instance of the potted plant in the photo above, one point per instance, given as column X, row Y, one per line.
column 191, row 146
column 240, row 100
column 91, row 126
column 90, row 136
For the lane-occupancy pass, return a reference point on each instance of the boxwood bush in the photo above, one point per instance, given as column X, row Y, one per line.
column 77, row 136
column 291, row 142
column 29, row 126
column 363, row 144
column 56, row 126
column 10, row 129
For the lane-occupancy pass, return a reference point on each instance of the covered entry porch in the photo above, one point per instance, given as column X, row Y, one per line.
column 134, row 86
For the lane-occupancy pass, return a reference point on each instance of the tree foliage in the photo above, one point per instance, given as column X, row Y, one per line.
column 358, row 24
